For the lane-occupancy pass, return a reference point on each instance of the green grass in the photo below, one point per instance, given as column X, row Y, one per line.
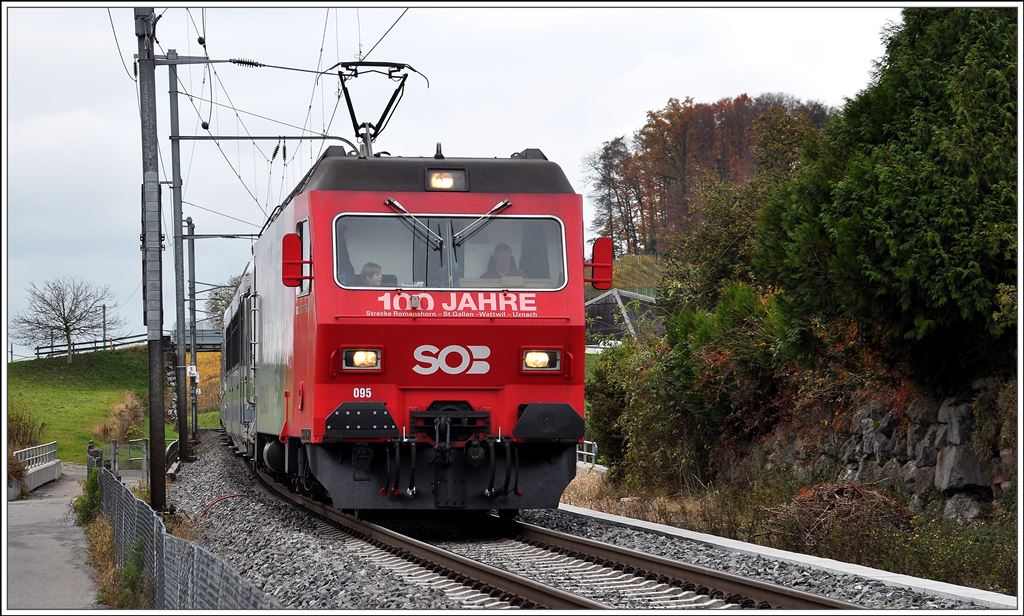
column 72, row 399
column 209, row 420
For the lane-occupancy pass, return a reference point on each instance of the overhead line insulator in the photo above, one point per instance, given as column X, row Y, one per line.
column 246, row 62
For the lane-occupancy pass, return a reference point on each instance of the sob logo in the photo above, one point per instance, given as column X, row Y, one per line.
column 452, row 359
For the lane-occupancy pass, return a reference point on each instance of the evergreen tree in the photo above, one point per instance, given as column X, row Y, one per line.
column 904, row 215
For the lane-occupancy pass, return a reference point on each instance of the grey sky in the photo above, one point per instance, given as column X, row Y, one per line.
column 501, row 79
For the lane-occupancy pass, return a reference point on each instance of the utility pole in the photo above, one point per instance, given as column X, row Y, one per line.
column 145, row 30
column 104, row 326
column 181, row 380
column 193, row 377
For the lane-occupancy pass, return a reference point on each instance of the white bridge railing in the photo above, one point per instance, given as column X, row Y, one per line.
column 41, row 466
column 38, row 455
column 586, row 452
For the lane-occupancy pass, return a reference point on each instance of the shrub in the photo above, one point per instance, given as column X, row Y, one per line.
column 133, row 590
column 124, row 587
column 86, row 506
column 980, row 555
column 606, row 401
column 23, row 429
column 125, row 420
column 727, row 367
column 847, row 522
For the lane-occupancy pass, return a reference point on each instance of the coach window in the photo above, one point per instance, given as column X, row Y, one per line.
column 302, row 229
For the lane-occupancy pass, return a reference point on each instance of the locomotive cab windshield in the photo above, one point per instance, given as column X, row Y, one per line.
column 510, row 252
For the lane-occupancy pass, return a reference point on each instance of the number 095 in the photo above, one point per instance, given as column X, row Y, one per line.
column 362, row 392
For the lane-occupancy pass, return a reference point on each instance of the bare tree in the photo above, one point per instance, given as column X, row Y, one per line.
column 219, row 299
column 68, row 308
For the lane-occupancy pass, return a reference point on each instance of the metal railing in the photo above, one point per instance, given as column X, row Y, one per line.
column 171, row 453
column 142, row 458
column 59, row 350
column 587, row 450
column 37, row 455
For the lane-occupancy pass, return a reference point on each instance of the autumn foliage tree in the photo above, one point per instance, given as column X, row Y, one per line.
column 721, row 224
column 645, row 188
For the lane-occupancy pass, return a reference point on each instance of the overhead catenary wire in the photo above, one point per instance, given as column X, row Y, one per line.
column 125, row 302
column 255, row 115
column 385, row 34
column 221, row 150
column 231, row 105
column 120, row 54
column 223, row 88
column 213, row 211
column 312, row 94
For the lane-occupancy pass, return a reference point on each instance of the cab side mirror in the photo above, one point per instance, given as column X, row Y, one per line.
column 601, row 275
column 291, row 260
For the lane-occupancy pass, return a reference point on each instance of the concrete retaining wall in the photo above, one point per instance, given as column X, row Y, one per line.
column 36, row 476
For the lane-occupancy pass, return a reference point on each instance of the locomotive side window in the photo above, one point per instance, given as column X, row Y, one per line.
column 302, row 229
column 393, row 251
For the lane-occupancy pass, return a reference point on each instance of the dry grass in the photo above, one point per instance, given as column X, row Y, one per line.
column 103, row 558
column 181, row 526
column 590, row 490
column 15, row 467
column 23, row 429
column 847, row 522
column 124, row 421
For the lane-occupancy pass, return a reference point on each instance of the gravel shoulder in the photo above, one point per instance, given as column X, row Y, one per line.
column 279, row 548
column 869, row 593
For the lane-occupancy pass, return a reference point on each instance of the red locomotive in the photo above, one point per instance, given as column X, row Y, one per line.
column 409, row 334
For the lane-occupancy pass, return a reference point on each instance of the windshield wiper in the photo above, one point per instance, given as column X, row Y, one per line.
column 479, row 223
column 423, row 229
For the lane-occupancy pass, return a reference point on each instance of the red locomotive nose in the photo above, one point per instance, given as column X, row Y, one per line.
column 409, row 320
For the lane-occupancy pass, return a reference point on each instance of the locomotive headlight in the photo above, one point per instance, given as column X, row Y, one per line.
column 541, row 360
column 446, row 179
column 362, row 358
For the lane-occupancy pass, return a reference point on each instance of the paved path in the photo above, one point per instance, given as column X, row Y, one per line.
column 47, row 555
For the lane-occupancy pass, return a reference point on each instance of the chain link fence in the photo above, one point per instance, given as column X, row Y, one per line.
column 181, row 574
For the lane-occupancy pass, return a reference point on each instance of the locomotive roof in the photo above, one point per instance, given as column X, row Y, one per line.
column 526, row 172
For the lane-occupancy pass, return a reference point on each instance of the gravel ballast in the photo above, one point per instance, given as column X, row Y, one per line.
column 869, row 593
column 279, row 548
column 284, row 551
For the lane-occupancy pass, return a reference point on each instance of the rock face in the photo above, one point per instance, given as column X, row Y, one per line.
column 924, row 454
column 958, row 468
column 961, row 506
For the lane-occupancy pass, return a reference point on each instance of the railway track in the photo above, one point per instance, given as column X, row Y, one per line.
column 534, row 560
column 665, row 582
column 510, row 588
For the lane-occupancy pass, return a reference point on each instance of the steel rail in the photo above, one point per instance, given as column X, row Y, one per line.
column 460, row 567
column 734, row 588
